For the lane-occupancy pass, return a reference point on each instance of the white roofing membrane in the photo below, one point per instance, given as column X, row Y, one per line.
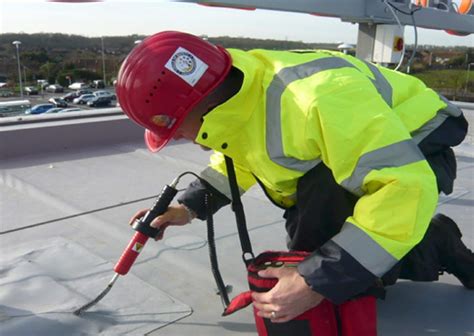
column 50, row 269
column 38, row 296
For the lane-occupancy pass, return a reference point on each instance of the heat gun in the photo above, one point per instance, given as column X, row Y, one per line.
column 138, row 241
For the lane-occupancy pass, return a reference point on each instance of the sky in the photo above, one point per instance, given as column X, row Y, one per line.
column 145, row 17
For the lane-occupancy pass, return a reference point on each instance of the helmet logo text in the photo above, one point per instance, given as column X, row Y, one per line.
column 186, row 66
column 183, row 63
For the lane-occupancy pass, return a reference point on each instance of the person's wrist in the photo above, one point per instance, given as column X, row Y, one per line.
column 191, row 214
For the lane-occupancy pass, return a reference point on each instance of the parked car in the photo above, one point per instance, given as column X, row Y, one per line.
column 84, row 91
column 98, row 84
column 72, row 95
column 71, row 109
column 39, row 109
column 78, row 86
column 69, row 97
column 31, row 90
column 102, row 93
column 12, row 108
column 99, row 101
column 54, row 110
column 58, row 101
column 83, row 99
column 42, row 83
column 56, row 88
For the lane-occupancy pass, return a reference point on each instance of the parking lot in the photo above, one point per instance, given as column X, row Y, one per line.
column 43, row 98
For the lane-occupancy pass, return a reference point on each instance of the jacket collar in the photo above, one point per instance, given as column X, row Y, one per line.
column 223, row 128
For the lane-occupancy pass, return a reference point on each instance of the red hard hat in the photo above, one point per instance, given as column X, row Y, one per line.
column 164, row 77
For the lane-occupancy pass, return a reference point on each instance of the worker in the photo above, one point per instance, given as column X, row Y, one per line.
column 355, row 153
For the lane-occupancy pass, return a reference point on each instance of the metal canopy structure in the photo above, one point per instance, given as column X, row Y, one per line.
column 362, row 11
column 376, row 39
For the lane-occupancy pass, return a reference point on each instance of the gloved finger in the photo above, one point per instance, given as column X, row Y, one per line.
column 270, row 272
column 276, row 317
column 137, row 215
column 261, row 298
column 161, row 232
column 159, row 221
column 265, row 307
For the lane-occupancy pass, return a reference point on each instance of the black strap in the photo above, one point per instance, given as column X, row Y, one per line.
column 222, row 289
column 238, row 208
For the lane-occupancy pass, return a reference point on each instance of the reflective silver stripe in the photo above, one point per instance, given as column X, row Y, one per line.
column 429, row 126
column 450, row 110
column 285, row 77
column 280, row 81
column 395, row 155
column 364, row 249
column 381, row 84
column 218, row 181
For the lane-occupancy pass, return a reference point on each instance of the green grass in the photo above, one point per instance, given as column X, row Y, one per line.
column 447, row 79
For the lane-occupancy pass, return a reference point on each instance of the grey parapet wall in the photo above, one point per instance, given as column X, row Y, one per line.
column 32, row 135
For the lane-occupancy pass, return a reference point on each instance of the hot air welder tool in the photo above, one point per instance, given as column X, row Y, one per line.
column 139, row 239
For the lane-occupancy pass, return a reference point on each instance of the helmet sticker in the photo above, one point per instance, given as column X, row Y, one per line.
column 162, row 120
column 186, row 65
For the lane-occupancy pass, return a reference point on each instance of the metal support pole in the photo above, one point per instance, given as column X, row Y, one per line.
column 103, row 60
column 365, row 41
column 17, row 45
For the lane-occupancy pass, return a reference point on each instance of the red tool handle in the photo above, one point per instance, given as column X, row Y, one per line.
column 144, row 230
column 131, row 253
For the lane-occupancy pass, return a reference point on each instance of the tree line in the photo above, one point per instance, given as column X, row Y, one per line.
column 60, row 58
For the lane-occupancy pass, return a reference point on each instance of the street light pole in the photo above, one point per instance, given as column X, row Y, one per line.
column 17, row 45
column 103, row 60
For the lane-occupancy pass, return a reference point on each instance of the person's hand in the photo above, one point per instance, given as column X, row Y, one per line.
column 290, row 297
column 175, row 215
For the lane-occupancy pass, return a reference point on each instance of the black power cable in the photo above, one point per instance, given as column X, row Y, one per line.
column 411, row 14
column 76, row 215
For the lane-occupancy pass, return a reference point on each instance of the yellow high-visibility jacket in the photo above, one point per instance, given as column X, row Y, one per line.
column 297, row 110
